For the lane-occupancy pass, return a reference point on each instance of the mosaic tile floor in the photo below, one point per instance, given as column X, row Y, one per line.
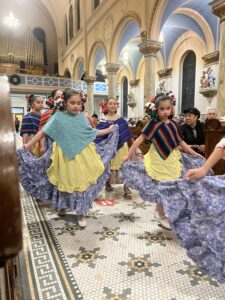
column 121, row 254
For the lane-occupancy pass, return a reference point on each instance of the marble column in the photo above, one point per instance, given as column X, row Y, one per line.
column 149, row 48
column 90, row 94
column 218, row 9
column 111, row 70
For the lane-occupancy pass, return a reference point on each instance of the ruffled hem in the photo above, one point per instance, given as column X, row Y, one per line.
column 72, row 189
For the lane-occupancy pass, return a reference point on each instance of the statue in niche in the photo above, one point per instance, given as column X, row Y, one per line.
column 131, row 100
column 161, row 88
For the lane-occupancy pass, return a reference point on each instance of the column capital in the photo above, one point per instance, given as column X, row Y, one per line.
column 134, row 83
column 218, row 9
column 89, row 79
column 150, row 47
column 112, row 68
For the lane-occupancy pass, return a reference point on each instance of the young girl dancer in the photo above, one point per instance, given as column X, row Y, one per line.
column 54, row 104
column 72, row 173
column 196, row 212
column 31, row 121
column 162, row 162
column 111, row 117
column 55, row 94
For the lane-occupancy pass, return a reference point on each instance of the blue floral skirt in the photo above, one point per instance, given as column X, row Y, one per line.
column 134, row 176
column 196, row 212
column 34, row 179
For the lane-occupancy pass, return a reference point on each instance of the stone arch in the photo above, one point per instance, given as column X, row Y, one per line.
column 67, row 73
column 155, row 21
column 130, row 16
column 92, row 56
column 77, row 68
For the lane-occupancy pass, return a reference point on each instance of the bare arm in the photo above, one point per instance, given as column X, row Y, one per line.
column 25, row 138
column 42, row 144
column 105, row 131
column 198, row 173
column 188, row 149
column 134, row 146
column 36, row 139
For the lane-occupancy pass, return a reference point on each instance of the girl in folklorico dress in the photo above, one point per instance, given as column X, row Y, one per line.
column 125, row 135
column 73, row 171
column 31, row 121
column 197, row 214
column 54, row 105
column 51, row 103
column 163, row 161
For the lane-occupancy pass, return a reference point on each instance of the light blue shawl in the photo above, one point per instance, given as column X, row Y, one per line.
column 71, row 132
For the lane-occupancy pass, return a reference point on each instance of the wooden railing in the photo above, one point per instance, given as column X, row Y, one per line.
column 10, row 207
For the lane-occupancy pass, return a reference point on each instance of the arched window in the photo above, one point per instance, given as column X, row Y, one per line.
column 96, row 3
column 67, row 74
column 78, row 14
column 188, row 82
column 124, row 95
column 71, row 22
column 40, row 35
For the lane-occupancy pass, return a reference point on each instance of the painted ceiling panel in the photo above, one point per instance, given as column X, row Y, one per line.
column 100, row 55
column 172, row 5
column 134, row 55
column 205, row 10
column 170, row 35
column 131, row 31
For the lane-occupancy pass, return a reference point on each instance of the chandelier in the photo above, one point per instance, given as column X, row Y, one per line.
column 11, row 20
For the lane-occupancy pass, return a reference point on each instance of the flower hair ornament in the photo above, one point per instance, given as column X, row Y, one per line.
column 57, row 104
column 103, row 106
column 150, row 107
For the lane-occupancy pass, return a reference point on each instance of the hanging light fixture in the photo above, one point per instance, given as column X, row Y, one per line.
column 11, row 20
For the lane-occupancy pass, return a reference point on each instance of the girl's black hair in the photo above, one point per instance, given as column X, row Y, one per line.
column 161, row 97
column 30, row 102
column 54, row 92
column 69, row 93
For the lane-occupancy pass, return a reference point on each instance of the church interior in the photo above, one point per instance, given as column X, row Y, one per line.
column 128, row 51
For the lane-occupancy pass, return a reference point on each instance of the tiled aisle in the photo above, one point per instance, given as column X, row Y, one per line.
column 122, row 254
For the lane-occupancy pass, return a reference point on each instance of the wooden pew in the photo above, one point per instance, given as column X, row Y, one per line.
column 10, row 207
column 136, row 131
column 214, row 131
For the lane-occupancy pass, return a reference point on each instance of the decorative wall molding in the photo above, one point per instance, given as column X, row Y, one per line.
column 47, row 83
column 211, row 58
column 165, row 73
